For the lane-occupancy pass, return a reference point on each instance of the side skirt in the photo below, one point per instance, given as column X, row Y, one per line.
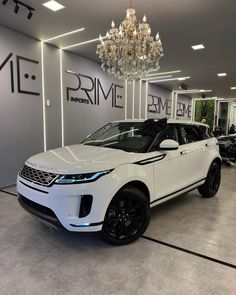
column 186, row 189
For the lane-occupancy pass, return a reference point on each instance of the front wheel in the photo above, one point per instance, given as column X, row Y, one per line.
column 211, row 186
column 127, row 217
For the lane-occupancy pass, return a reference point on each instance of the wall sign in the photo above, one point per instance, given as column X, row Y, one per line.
column 162, row 106
column 184, row 110
column 159, row 105
column 25, row 78
column 90, row 90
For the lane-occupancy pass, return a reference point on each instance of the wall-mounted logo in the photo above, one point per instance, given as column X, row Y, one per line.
column 90, row 90
column 184, row 110
column 25, row 74
column 162, row 106
column 159, row 105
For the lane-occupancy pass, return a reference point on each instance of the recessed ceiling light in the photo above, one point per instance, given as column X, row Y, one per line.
column 233, row 88
column 222, row 74
column 53, row 5
column 198, row 47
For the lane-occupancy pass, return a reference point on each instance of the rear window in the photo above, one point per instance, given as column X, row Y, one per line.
column 206, row 132
column 189, row 134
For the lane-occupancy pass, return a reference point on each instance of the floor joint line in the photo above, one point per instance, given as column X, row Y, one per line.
column 190, row 252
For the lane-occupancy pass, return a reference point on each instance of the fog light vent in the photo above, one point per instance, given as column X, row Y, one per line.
column 85, row 205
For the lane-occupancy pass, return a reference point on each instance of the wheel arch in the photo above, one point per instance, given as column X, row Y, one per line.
column 217, row 160
column 140, row 186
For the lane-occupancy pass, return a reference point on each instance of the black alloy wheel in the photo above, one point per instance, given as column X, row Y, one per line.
column 212, row 184
column 127, row 217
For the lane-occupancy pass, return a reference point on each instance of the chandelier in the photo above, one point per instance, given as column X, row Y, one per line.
column 130, row 52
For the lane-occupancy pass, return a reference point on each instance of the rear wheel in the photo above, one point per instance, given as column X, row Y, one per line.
column 211, row 186
column 127, row 217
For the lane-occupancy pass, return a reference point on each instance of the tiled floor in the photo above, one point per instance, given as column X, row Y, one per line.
column 37, row 260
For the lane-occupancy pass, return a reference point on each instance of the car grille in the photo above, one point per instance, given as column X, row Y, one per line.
column 37, row 176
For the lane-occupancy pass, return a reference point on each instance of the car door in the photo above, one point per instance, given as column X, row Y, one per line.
column 180, row 168
column 192, row 150
column 169, row 173
column 209, row 144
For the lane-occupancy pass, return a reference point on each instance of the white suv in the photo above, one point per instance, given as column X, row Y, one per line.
column 109, row 182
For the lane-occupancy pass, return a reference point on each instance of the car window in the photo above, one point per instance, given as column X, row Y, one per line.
column 189, row 134
column 206, row 133
column 134, row 137
column 170, row 133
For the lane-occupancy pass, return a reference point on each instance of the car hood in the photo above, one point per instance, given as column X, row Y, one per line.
column 81, row 158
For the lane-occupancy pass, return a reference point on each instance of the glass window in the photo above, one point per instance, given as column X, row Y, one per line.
column 206, row 133
column 128, row 136
column 189, row 134
column 170, row 133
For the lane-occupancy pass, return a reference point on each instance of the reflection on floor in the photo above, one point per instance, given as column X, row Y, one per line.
column 37, row 260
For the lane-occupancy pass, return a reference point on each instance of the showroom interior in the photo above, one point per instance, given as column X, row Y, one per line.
column 59, row 84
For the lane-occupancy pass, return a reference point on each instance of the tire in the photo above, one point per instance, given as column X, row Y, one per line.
column 127, row 217
column 211, row 186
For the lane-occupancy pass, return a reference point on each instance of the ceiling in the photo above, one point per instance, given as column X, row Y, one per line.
column 181, row 23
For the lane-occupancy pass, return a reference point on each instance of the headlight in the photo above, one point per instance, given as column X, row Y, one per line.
column 81, row 178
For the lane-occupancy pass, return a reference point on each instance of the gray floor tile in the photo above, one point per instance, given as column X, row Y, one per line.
column 207, row 226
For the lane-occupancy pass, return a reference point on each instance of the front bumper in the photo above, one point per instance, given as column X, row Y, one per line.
column 59, row 205
column 41, row 212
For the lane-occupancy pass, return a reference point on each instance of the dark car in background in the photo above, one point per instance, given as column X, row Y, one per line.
column 227, row 144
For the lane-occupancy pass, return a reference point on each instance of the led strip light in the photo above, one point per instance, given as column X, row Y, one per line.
column 158, row 78
column 171, row 79
column 82, row 43
column 140, row 97
column 62, row 101
column 163, row 73
column 133, row 99
column 126, row 95
column 146, row 98
column 43, row 99
column 63, row 35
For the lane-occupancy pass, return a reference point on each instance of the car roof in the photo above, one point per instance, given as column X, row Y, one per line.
column 169, row 121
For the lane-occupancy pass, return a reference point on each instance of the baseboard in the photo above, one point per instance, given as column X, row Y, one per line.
column 7, row 186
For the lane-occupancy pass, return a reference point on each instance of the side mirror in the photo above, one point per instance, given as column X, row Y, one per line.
column 169, row 145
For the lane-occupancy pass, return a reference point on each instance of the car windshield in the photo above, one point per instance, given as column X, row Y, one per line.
column 128, row 136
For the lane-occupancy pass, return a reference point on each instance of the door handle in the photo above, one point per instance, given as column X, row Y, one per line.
column 184, row 152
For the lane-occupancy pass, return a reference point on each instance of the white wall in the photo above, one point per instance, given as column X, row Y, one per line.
column 21, row 112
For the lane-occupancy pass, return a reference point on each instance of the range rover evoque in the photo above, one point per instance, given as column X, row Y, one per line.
column 109, row 182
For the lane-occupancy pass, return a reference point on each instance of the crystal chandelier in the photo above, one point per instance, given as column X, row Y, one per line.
column 130, row 52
